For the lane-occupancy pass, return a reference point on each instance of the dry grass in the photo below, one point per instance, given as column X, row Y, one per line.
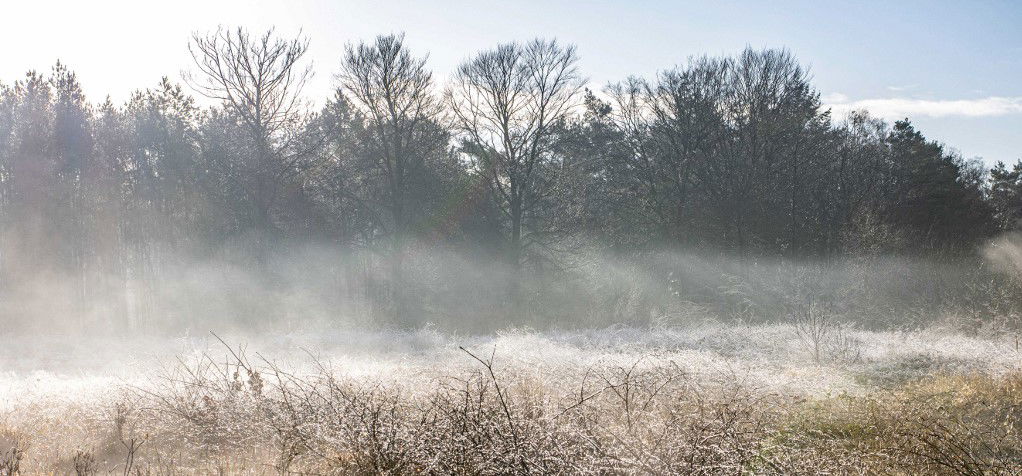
column 965, row 425
column 236, row 413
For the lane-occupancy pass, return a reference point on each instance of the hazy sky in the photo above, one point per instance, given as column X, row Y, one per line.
column 954, row 68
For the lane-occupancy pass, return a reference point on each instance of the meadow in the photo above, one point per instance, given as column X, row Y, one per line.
column 704, row 398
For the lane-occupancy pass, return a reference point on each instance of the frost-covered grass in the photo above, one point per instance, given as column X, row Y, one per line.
column 710, row 398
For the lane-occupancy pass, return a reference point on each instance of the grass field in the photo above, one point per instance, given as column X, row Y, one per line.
column 700, row 399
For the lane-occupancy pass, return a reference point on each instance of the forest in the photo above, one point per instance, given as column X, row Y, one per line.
column 509, row 193
column 500, row 269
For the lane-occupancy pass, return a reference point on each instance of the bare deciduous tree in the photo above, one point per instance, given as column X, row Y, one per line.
column 393, row 93
column 258, row 79
column 505, row 103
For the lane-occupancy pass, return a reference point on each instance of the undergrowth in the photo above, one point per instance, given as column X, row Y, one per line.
column 239, row 414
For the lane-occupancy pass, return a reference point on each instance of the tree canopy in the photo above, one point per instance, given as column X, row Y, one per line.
column 511, row 161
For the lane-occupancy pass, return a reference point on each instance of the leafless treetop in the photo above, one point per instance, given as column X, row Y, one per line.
column 258, row 77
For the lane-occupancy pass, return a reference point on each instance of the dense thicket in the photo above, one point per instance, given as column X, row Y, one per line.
column 509, row 176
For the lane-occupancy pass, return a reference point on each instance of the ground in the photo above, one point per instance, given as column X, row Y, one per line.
column 707, row 398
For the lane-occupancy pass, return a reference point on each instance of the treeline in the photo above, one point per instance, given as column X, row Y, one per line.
column 510, row 161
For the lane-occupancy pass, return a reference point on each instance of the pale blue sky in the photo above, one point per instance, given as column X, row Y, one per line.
column 955, row 68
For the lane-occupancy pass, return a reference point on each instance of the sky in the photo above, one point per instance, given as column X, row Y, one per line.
column 953, row 67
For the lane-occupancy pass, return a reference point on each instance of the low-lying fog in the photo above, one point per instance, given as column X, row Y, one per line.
column 806, row 328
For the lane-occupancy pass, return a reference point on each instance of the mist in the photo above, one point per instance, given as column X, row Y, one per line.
column 699, row 272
